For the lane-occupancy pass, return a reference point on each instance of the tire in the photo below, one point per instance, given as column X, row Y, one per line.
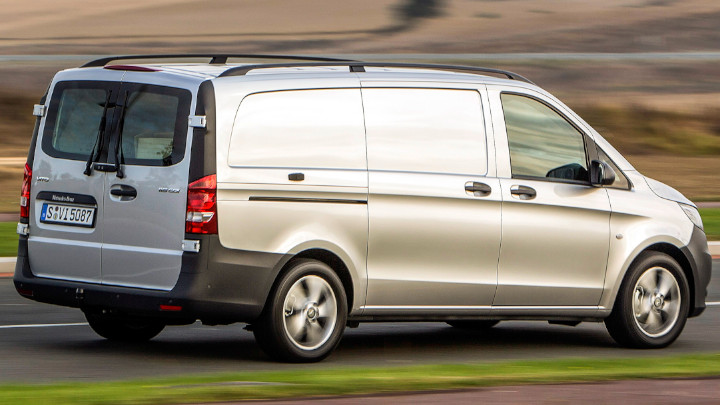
column 124, row 330
column 652, row 305
column 473, row 325
column 305, row 315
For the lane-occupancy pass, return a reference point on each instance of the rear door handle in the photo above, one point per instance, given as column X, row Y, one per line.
column 124, row 192
column 478, row 189
column 523, row 192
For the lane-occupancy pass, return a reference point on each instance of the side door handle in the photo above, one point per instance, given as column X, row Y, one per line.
column 478, row 189
column 296, row 176
column 523, row 192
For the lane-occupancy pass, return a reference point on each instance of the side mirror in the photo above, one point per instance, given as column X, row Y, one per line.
column 601, row 174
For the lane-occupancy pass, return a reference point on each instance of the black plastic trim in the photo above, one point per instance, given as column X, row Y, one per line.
column 700, row 260
column 307, row 200
column 202, row 152
column 618, row 172
column 59, row 197
column 553, row 180
column 216, row 58
column 104, row 167
column 124, row 192
column 360, row 67
column 296, row 176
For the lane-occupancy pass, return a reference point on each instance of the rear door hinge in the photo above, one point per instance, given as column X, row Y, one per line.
column 23, row 229
column 197, row 121
column 39, row 110
column 189, row 245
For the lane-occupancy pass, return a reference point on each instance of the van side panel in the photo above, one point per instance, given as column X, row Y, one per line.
column 642, row 219
column 296, row 177
column 433, row 242
column 554, row 241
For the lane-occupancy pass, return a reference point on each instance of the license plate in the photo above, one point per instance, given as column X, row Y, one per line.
column 67, row 215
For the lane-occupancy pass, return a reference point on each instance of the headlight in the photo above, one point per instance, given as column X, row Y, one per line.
column 693, row 214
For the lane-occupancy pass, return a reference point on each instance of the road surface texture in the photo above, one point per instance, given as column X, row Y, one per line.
column 40, row 343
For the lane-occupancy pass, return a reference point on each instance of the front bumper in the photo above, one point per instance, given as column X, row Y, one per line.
column 698, row 255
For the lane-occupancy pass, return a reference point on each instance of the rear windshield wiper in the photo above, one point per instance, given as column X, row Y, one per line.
column 119, row 156
column 95, row 152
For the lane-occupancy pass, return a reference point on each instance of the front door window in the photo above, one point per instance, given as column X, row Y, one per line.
column 542, row 143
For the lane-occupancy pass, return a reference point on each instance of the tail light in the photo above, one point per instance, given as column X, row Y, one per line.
column 25, row 193
column 201, row 214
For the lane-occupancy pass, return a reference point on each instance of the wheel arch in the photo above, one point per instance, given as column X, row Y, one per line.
column 337, row 262
column 677, row 254
column 661, row 247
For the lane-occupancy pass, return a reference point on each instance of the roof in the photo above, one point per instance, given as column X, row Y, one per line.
column 218, row 67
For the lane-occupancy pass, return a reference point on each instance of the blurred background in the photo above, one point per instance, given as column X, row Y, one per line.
column 644, row 73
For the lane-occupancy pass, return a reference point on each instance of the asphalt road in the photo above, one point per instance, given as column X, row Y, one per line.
column 40, row 342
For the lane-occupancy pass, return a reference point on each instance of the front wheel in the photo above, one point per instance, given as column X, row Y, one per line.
column 652, row 305
column 306, row 314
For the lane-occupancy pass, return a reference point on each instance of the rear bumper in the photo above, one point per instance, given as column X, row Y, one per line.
column 216, row 285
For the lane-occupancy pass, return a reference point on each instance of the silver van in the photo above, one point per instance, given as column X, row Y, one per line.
column 307, row 195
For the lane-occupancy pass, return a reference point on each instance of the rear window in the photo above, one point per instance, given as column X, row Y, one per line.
column 74, row 119
column 154, row 127
column 153, row 124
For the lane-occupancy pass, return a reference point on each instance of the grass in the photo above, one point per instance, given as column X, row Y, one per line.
column 711, row 222
column 8, row 239
column 352, row 381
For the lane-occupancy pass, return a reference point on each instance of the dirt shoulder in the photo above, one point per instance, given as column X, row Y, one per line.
column 665, row 391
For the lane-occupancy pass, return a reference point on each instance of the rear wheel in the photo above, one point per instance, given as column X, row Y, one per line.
column 306, row 314
column 652, row 305
column 473, row 325
column 125, row 330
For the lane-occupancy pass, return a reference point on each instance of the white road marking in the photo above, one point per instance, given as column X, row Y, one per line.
column 8, row 259
column 713, row 304
column 42, row 325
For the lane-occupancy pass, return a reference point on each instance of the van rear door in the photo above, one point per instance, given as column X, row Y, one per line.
column 145, row 201
column 66, row 226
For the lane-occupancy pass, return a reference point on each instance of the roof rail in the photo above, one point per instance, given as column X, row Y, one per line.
column 356, row 66
column 216, row 59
